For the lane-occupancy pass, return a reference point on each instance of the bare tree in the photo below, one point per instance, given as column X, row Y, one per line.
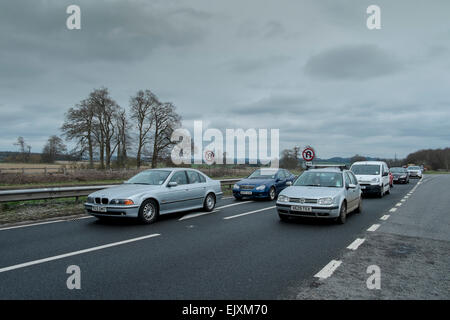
column 122, row 138
column 24, row 149
column 141, row 109
column 165, row 120
column 106, row 111
column 79, row 126
column 52, row 149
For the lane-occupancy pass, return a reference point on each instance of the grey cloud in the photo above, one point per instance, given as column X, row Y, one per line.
column 245, row 65
column 352, row 62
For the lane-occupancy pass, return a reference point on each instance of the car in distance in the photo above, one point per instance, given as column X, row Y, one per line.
column 401, row 175
column 373, row 177
column 154, row 192
column 264, row 183
column 415, row 172
column 321, row 192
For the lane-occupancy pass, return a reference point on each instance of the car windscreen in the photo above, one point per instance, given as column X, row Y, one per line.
column 367, row 169
column 397, row 170
column 151, row 177
column 320, row 179
column 263, row 174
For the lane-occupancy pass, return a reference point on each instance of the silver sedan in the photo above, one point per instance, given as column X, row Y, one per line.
column 321, row 193
column 157, row 191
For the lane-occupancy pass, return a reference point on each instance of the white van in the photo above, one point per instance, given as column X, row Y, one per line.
column 373, row 176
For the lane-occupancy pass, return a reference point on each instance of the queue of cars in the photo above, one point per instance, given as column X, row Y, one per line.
column 327, row 191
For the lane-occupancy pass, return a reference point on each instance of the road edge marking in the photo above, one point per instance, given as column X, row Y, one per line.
column 328, row 270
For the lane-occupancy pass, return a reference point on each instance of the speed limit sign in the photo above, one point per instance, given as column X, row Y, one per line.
column 308, row 154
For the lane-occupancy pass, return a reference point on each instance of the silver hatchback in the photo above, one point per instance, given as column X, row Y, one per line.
column 327, row 192
column 154, row 192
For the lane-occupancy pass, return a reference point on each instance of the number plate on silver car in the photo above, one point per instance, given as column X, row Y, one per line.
column 98, row 209
column 301, row 208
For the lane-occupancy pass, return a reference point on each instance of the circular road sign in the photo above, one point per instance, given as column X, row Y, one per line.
column 308, row 154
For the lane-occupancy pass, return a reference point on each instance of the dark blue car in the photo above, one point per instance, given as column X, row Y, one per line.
column 265, row 183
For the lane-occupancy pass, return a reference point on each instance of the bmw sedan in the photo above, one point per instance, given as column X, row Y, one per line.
column 157, row 191
column 321, row 193
column 264, row 183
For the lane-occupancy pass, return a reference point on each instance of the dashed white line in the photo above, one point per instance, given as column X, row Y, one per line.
column 385, row 217
column 250, row 212
column 403, row 200
column 398, row 204
column 328, row 270
column 194, row 215
column 233, row 204
column 374, row 227
column 393, row 210
column 74, row 253
column 355, row 244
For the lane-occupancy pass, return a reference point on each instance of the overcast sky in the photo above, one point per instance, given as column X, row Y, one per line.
column 310, row 68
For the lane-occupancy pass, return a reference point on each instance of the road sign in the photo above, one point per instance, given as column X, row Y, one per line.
column 308, row 154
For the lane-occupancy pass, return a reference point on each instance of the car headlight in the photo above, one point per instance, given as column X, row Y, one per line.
column 282, row 198
column 261, row 187
column 235, row 186
column 375, row 180
column 403, row 176
column 125, row 202
column 325, row 201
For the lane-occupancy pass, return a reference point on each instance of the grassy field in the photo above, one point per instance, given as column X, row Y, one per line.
column 436, row 172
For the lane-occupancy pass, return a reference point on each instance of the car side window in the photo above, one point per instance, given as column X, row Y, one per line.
column 353, row 178
column 179, row 177
column 347, row 179
column 193, row 177
column 281, row 175
column 202, row 178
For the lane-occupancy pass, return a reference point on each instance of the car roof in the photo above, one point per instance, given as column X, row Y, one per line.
column 369, row 162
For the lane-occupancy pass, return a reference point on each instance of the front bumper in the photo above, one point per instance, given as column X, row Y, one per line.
column 256, row 194
column 316, row 211
column 113, row 211
column 400, row 180
column 370, row 188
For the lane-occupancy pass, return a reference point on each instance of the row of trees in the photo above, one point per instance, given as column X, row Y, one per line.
column 100, row 127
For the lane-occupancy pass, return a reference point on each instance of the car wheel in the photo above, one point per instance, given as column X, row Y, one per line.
column 210, row 202
column 283, row 217
column 359, row 209
column 272, row 194
column 343, row 214
column 148, row 212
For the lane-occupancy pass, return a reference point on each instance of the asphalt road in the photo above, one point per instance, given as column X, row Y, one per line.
column 252, row 256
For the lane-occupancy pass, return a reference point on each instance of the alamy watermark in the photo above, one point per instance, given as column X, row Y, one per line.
column 234, row 149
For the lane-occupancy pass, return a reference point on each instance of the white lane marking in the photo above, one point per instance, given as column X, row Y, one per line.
column 74, row 253
column 328, row 270
column 398, row 204
column 355, row 244
column 405, row 197
column 374, row 227
column 194, row 215
column 385, row 217
column 81, row 218
column 30, row 225
column 226, row 198
column 393, row 210
column 233, row 204
column 246, row 213
column 403, row 200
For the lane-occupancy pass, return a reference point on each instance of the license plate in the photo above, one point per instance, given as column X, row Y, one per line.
column 363, row 187
column 301, row 208
column 246, row 193
column 98, row 209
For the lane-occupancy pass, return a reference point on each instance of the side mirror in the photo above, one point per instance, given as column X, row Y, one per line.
column 352, row 186
column 289, row 183
column 385, row 174
column 172, row 184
